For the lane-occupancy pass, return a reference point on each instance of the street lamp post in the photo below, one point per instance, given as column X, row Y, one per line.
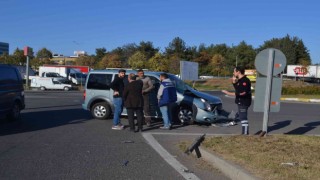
column 236, row 60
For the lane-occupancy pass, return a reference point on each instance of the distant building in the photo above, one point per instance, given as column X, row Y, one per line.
column 79, row 53
column 4, row 48
column 60, row 59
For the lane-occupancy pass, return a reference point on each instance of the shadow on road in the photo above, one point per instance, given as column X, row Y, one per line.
column 307, row 127
column 33, row 121
column 276, row 126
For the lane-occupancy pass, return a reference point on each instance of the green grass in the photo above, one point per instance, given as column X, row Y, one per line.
column 264, row 157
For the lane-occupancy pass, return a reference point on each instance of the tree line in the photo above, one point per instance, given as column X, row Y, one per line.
column 215, row 59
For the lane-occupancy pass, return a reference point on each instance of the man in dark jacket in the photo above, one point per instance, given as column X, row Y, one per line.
column 133, row 101
column 167, row 96
column 118, row 85
column 242, row 86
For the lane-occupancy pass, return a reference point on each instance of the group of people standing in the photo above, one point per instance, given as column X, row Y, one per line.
column 135, row 97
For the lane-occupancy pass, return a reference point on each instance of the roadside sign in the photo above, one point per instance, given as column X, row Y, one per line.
column 189, row 70
column 259, row 98
column 27, row 51
column 269, row 63
column 261, row 62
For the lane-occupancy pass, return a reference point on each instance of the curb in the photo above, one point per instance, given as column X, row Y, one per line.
column 292, row 99
column 229, row 169
column 301, row 100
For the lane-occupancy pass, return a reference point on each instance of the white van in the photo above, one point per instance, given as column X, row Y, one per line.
column 49, row 83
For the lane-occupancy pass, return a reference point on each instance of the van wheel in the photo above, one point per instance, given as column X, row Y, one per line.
column 42, row 88
column 66, row 88
column 14, row 114
column 101, row 110
column 185, row 115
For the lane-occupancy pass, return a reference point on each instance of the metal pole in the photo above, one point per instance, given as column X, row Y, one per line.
column 268, row 91
column 27, row 73
column 236, row 60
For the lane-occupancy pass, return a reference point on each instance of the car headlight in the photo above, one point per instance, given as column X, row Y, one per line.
column 207, row 106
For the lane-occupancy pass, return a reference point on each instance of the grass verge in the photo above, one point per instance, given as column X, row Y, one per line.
column 271, row 157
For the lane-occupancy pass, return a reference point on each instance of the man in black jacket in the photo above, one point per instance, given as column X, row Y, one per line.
column 118, row 85
column 133, row 101
column 242, row 86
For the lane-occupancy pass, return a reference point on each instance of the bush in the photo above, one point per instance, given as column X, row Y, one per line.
column 307, row 90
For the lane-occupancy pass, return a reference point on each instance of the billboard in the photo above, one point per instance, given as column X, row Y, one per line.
column 189, row 70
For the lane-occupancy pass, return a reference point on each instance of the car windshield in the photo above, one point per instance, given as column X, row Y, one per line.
column 180, row 85
column 53, row 75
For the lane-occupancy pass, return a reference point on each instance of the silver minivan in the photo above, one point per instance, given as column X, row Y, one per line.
column 192, row 105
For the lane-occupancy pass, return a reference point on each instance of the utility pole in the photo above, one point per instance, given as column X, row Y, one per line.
column 236, row 60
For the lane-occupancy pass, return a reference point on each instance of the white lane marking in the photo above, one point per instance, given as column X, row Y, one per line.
column 168, row 157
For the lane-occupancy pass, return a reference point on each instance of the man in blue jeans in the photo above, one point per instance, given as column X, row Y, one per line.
column 117, row 86
column 167, row 96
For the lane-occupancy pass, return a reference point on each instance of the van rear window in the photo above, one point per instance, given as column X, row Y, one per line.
column 8, row 75
column 99, row 81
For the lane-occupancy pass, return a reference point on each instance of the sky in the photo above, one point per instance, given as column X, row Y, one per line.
column 64, row 26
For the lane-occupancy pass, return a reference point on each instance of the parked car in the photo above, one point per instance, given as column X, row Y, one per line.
column 11, row 92
column 49, row 83
column 56, row 77
column 192, row 105
column 78, row 78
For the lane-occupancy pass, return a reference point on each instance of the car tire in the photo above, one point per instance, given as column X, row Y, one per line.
column 101, row 110
column 185, row 115
column 15, row 114
column 66, row 88
column 42, row 88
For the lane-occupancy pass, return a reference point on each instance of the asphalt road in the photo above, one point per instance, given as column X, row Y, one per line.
column 56, row 139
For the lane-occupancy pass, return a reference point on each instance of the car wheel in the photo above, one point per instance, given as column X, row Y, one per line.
column 185, row 115
column 14, row 114
column 42, row 88
column 100, row 110
column 66, row 88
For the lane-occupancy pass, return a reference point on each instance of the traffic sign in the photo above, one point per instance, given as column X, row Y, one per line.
column 269, row 63
column 261, row 62
column 259, row 98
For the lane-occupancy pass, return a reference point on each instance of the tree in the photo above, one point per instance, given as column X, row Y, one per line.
column 138, row 60
column 158, row 63
column 35, row 63
column 204, row 59
column 100, row 52
column 110, row 60
column 7, row 59
column 147, row 49
column 292, row 47
column 125, row 52
column 174, row 64
column 86, row 61
column 44, row 53
column 177, row 48
column 217, row 65
column 245, row 55
column 191, row 53
column 18, row 57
